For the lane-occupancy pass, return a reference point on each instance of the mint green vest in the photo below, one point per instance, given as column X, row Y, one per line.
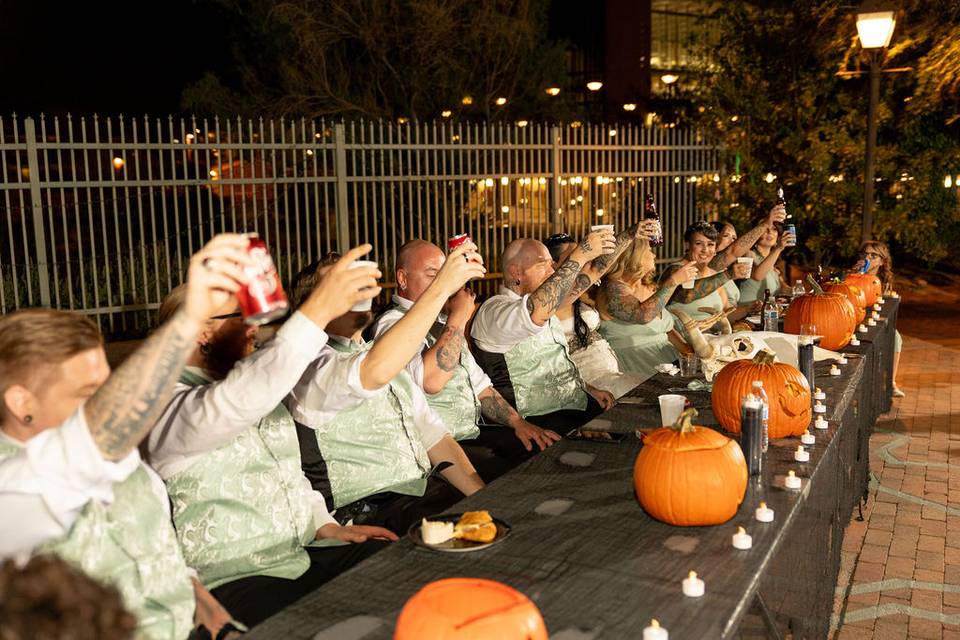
column 131, row 545
column 375, row 446
column 544, row 378
column 242, row 510
column 457, row 402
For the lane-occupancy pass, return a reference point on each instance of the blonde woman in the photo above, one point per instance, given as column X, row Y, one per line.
column 881, row 265
column 633, row 313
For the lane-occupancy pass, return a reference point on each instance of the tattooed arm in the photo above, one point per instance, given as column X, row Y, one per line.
column 441, row 360
column 741, row 245
column 128, row 404
column 596, row 268
column 568, row 279
column 497, row 410
column 624, row 306
column 394, row 349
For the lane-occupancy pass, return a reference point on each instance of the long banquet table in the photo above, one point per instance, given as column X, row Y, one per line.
column 598, row 566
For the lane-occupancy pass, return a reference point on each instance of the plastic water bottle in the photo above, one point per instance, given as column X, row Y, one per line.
column 760, row 393
column 798, row 289
column 771, row 313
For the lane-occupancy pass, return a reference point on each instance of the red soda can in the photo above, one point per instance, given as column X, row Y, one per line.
column 262, row 299
column 457, row 240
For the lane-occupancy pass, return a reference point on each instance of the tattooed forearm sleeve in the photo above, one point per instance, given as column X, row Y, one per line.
column 448, row 348
column 737, row 248
column 702, row 287
column 624, row 306
column 496, row 409
column 545, row 301
column 126, row 407
column 603, row 263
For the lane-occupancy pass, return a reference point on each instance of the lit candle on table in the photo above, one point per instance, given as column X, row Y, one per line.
column 807, row 438
column 801, row 455
column 819, row 407
column 820, row 423
column 655, row 631
column 693, row 587
column 791, row 481
column 855, row 341
column 818, row 394
column 764, row 513
column 741, row 539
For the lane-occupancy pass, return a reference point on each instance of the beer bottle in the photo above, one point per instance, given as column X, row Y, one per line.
column 650, row 213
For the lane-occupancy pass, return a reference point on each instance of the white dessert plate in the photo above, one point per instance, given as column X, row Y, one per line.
column 456, row 545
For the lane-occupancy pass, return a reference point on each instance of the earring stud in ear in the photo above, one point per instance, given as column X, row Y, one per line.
column 28, row 419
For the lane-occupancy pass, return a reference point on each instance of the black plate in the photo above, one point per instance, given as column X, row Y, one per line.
column 456, row 545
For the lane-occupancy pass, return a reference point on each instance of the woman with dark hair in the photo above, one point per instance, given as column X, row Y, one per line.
column 594, row 358
column 881, row 265
column 726, row 234
column 726, row 237
column 765, row 276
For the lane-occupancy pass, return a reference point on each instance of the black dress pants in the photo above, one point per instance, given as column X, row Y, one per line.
column 566, row 420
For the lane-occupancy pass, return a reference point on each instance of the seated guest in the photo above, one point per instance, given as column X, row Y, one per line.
column 490, row 431
column 593, row 356
column 371, row 445
column 227, row 449
column 71, row 480
column 707, row 298
column 726, row 237
column 881, row 265
column 635, row 320
column 48, row 599
column 765, row 276
column 520, row 342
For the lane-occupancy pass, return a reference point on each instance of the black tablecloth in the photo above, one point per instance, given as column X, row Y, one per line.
column 602, row 567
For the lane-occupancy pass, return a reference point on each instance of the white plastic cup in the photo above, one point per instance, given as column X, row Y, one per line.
column 363, row 305
column 671, row 406
column 601, row 227
column 748, row 261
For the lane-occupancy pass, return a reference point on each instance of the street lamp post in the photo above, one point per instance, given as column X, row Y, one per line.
column 875, row 24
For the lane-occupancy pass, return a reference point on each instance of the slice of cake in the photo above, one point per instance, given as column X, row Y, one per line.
column 436, row 532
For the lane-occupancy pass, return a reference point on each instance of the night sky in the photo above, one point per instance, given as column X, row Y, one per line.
column 130, row 57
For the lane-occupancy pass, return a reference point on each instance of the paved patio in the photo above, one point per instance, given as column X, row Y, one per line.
column 900, row 568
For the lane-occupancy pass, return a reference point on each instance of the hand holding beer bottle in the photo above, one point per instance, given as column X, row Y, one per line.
column 341, row 287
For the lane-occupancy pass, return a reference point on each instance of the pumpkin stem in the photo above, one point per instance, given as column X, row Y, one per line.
column 817, row 289
column 684, row 423
column 764, row 356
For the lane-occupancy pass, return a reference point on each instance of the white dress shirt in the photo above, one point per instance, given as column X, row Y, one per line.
column 504, row 321
column 331, row 384
column 45, row 486
column 202, row 418
column 479, row 380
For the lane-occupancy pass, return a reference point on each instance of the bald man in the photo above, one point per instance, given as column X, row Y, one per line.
column 519, row 341
column 491, row 432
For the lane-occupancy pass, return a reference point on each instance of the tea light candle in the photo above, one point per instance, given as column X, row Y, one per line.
column 895, row 295
column 877, row 307
column 800, row 455
column 741, row 539
column 862, row 328
column 820, row 423
column 875, row 315
column 791, row 481
column 818, row 394
column 819, row 407
column 764, row 513
column 871, row 322
column 834, row 370
column 655, row 631
column 807, row 438
column 881, row 300
column 693, row 586
column 855, row 341
column 842, row 359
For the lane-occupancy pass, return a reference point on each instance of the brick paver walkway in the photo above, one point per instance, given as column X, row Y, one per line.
column 900, row 571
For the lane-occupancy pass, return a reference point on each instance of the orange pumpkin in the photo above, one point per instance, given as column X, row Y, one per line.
column 786, row 388
column 871, row 286
column 469, row 609
column 853, row 293
column 833, row 313
column 690, row 476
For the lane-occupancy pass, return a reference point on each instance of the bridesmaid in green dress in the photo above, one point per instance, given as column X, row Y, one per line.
column 726, row 237
column 765, row 276
column 634, row 318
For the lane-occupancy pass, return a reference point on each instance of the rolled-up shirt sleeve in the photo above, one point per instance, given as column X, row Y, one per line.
column 429, row 423
column 502, row 322
column 202, row 418
column 330, row 384
column 48, row 482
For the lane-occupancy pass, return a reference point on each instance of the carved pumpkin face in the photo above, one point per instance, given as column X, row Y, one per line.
column 833, row 314
column 853, row 293
column 786, row 388
column 871, row 286
column 690, row 476
column 469, row 609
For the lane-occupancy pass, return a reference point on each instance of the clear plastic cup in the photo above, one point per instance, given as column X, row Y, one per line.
column 689, row 363
column 747, row 261
column 363, row 305
column 671, row 406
